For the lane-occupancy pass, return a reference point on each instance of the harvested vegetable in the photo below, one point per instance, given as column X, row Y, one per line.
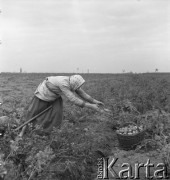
column 130, row 130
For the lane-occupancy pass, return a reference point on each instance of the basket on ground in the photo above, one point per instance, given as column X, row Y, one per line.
column 130, row 141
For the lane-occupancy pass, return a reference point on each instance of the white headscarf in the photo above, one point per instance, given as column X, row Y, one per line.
column 76, row 81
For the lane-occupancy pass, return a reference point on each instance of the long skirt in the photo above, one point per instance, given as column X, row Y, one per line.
column 51, row 118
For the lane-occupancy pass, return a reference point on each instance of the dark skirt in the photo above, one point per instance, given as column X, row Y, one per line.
column 51, row 118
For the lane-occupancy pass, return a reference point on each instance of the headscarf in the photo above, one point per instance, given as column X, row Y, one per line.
column 76, row 81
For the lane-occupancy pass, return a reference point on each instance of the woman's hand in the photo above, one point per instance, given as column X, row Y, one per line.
column 95, row 107
column 98, row 103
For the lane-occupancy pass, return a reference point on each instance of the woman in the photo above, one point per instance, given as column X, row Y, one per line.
column 49, row 93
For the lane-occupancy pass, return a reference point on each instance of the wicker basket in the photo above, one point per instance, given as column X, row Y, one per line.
column 128, row 142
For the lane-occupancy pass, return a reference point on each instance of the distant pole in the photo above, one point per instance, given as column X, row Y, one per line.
column 20, row 70
column 88, row 71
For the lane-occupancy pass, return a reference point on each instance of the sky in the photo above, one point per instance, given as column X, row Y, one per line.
column 102, row 36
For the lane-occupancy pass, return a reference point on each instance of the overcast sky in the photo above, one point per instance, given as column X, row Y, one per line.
column 104, row 36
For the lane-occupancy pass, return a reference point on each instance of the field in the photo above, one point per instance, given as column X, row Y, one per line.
column 72, row 152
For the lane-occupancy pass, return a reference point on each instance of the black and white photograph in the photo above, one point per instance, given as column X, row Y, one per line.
column 84, row 89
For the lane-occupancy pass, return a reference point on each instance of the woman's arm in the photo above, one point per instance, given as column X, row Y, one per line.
column 87, row 97
column 92, row 106
column 84, row 95
column 77, row 101
column 71, row 96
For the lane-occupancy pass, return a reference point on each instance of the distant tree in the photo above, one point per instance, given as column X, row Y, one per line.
column 77, row 70
column 156, row 70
